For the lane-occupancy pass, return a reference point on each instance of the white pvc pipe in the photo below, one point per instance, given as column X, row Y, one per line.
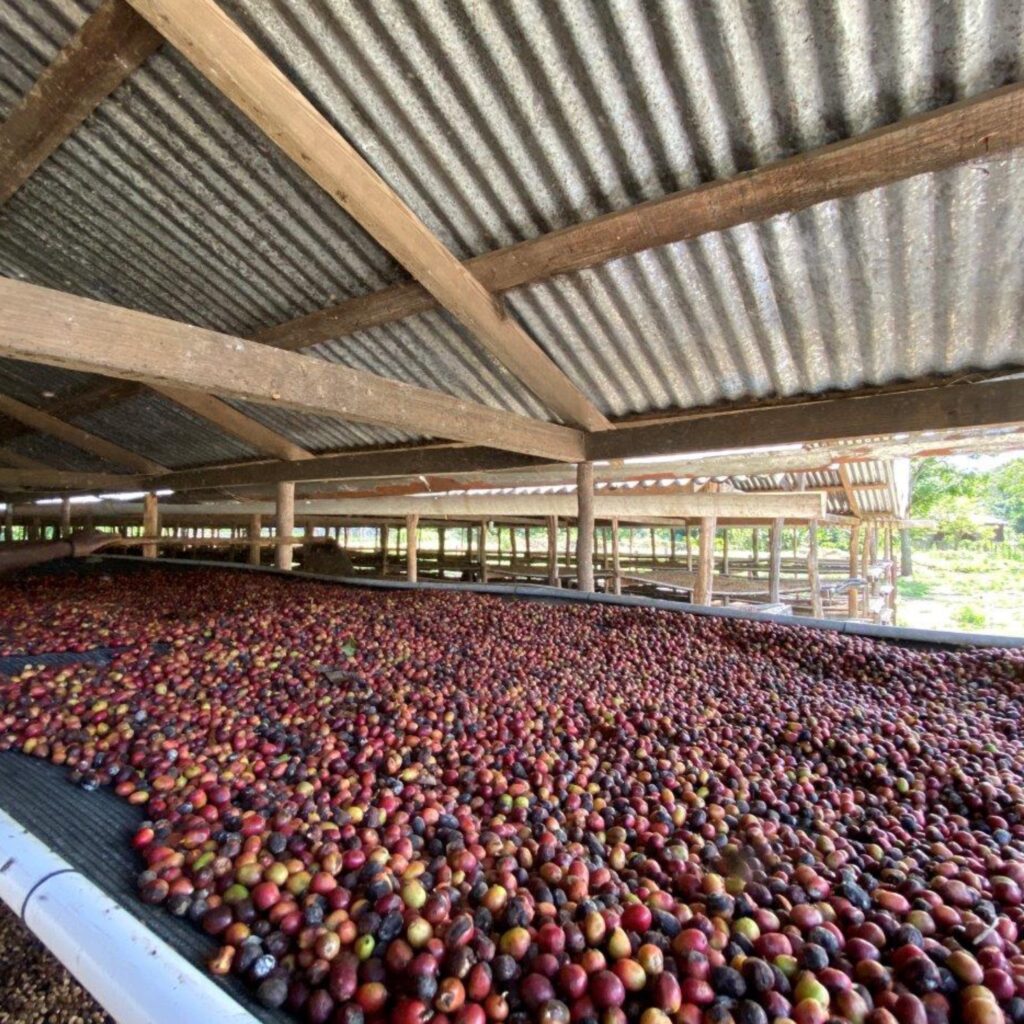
column 134, row 975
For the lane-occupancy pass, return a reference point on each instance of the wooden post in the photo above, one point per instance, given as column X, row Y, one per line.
column 34, row 528
column 654, row 549
column 775, row 564
column 512, row 544
column 412, row 522
column 150, row 523
column 906, row 554
column 616, row 569
column 483, row 551
column 796, row 542
column 526, row 544
column 754, row 534
column 705, row 561
column 9, row 523
column 689, row 550
column 725, row 552
column 812, row 568
column 384, row 550
column 853, row 596
column 285, row 523
column 585, row 527
column 553, row 580
column 255, row 529
column 65, row 516
column 672, row 545
column 440, row 551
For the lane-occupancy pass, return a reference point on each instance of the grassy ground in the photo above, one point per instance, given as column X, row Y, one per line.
column 971, row 591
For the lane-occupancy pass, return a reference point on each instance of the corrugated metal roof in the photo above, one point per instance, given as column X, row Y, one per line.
column 497, row 122
column 37, row 384
column 165, row 433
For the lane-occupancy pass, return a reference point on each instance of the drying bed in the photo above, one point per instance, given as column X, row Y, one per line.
column 447, row 807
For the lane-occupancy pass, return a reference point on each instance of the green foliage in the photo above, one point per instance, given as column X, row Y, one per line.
column 912, row 587
column 969, row 618
column 1006, row 493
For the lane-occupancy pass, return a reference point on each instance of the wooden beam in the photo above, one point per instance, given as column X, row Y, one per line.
column 995, row 403
column 632, row 506
column 702, row 591
column 109, row 46
column 848, row 489
column 284, row 523
column 63, row 480
column 584, row 527
column 45, row 326
column 852, row 599
column 234, row 64
column 236, row 424
column 974, row 129
column 616, row 565
column 45, row 423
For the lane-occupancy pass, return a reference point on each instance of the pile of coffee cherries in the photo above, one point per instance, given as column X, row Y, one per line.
column 454, row 809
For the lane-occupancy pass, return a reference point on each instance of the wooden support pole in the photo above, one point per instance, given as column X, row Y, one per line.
column 853, row 597
column 702, row 591
column 616, row 569
column 384, row 550
column 775, row 567
column 526, row 545
column 512, row 543
column 755, row 533
column 440, row 551
column 906, row 553
column 553, row 580
column 689, row 550
column 812, row 568
column 412, row 522
column 285, row 524
column 725, row 552
column 9, row 523
column 65, row 516
column 585, row 527
column 482, row 553
column 255, row 529
column 150, row 523
column 654, row 548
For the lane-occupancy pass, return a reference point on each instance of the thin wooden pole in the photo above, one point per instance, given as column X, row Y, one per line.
column 285, row 523
column 65, row 516
column 384, row 550
column 9, row 523
column 412, row 522
column 812, row 568
column 616, row 568
column 689, row 550
column 440, row 551
column 585, row 527
column 775, row 568
column 702, row 591
column 725, row 552
column 654, row 549
column 553, row 578
column 482, row 553
column 255, row 529
column 853, row 595
column 150, row 523
column 754, row 534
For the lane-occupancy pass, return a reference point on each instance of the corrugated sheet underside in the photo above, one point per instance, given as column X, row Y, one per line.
column 499, row 122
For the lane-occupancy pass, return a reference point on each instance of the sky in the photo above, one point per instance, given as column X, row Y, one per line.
column 974, row 463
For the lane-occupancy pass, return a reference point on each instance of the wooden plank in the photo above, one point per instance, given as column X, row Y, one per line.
column 12, row 460
column 992, row 403
column 705, row 562
column 236, row 424
column 45, row 423
column 585, row 527
column 234, row 64
column 974, row 129
column 46, row 326
column 775, row 560
column 109, row 46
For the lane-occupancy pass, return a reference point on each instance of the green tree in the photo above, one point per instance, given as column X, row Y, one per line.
column 1006, row 493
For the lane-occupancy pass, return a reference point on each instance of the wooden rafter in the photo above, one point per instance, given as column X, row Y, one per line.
column 849, row 489
column 46, row 326
column 76, row 436
column 977, row 128
column 111, row 44
column 59, row 480
column 235, row 65
column 995, row 403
